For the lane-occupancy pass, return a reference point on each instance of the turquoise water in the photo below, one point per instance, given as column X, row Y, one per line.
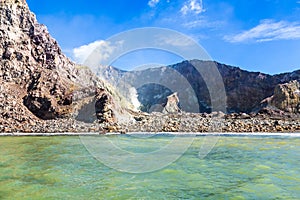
column 236, row 168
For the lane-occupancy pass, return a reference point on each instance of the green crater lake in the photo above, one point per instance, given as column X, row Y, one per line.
column 236, row 168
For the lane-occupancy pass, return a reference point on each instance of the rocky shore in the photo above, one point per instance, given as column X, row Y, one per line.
column 215, row 122
column 159, row 122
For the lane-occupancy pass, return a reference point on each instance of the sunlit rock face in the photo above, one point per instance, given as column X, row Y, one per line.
column 32, row 59
column 37, row 80
column 287, row 97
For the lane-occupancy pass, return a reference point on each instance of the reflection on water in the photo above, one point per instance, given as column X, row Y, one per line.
column 237, row 168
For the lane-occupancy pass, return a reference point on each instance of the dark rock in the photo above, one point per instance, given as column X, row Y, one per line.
column 244, row 90
column 104, row 107
column 7, row 54
column 19, row 56
column 40, row 106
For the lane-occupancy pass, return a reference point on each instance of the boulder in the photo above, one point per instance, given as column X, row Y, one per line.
column 172, row 105
column 287, row 97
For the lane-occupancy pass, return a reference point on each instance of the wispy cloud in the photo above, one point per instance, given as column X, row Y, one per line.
column 196, row 23
column 153, row 3
column 176, row 40
column 268, row 30
column 203, row 23
column 192, row 6
column 104, row 51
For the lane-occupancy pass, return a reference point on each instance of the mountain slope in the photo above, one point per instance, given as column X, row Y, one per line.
column 244, row 90
column 37, row 80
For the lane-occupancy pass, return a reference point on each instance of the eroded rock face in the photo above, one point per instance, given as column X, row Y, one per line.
column 104, row 107
column 287, row 97
column 50, row 86
column 32, row 59
column 12, row 110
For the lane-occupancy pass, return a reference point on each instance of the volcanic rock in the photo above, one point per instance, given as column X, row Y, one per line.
column 287, row 97
column 244, row 90
column 38, row 82
column 103, row 107
column 172, row 104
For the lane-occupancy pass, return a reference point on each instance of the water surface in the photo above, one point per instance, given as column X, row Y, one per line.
column 237, row 168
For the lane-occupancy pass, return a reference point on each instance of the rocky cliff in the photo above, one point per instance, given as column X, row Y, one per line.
column 37, row 81
column 245, row 90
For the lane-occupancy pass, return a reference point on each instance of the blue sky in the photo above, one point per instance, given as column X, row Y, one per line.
column 256, row 35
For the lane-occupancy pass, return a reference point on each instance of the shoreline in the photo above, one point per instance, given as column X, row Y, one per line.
column 181, row 134
column 160, row 123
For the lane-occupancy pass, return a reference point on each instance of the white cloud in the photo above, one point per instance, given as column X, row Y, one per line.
column 104, row 50
column 153, row 3
column 192, row 6
column 202, row 23
column 196, row 23
column 176, row 41
column 268, row 30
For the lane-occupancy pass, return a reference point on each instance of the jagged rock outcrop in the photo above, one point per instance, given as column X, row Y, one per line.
column 287, row 97
column 48, row 84
column 103, row 107
column 32, row 60
column 12, row 109
column 172, row 105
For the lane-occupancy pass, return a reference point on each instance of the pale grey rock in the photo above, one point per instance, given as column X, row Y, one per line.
column 172, row 104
